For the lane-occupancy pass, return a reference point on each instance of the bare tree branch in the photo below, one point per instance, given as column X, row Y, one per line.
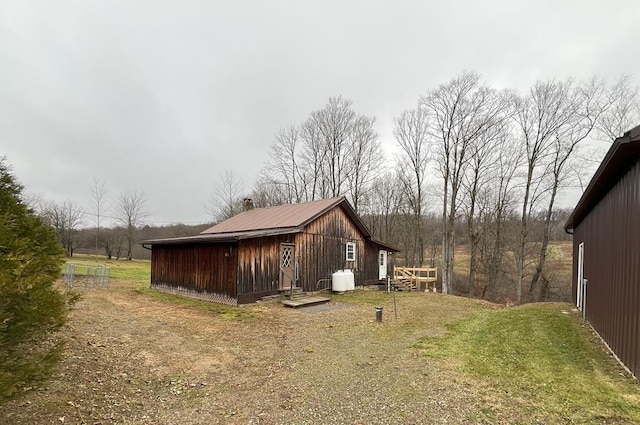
column 98, row 192
column 226, row 197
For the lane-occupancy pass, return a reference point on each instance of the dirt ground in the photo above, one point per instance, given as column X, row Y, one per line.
column 130, row 359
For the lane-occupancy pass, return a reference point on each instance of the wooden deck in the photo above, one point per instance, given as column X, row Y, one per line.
column 304, row 301
column 415, row 278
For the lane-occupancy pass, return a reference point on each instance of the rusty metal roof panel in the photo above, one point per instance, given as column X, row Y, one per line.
column 187, row 239
column 272, row 221
column 223, row 237
column 282, row 216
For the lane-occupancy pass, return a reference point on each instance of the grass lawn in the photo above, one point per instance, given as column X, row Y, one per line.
column 544, row 360
column 433, row 359
column 138, row 274
column 134, row 271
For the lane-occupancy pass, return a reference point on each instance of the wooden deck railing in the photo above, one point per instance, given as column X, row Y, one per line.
column 412, row 278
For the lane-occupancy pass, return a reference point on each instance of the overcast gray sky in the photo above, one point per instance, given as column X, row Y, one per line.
column 163, row 96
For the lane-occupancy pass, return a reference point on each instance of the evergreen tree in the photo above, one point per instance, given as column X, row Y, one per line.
column 31, row 308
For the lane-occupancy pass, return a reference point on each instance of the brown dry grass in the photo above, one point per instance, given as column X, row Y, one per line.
column 558, row 269
column 132, row 359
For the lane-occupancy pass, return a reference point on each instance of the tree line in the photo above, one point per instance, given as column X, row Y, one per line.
column 69, row 220
column 475, row 165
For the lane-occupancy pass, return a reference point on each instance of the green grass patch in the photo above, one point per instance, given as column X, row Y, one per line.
column 135, row 271
column 544, row 360
column 138, row 273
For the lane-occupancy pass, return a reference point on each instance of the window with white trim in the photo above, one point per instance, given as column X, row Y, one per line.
column 351, row 251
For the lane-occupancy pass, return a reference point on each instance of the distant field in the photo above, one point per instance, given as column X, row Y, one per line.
column 559, row 264
column 558, row 269
column 135, row 271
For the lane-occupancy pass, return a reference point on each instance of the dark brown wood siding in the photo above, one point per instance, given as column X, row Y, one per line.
column 199, row 268
column 259, row 264
column 611, row 236
column 372, row 258
column 250, row 268
column 321, row 251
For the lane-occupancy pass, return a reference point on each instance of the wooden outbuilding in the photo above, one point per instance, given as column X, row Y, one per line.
column 606, row 250
column 261, row 252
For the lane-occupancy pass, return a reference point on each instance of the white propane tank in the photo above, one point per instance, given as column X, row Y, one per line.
column 348, row 275
column 339, row 281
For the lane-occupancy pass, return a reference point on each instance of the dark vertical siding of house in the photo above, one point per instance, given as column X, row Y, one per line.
column 250, row 268
column 372, row 262
column 320, row 250
column 372, row 265
column 259, row 265
column 193, row 268
column 611, row 236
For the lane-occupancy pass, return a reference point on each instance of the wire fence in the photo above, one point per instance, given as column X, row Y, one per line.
column 86, row 276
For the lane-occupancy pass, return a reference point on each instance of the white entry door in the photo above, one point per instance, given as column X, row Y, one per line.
column 580, row 288
column 382, row 263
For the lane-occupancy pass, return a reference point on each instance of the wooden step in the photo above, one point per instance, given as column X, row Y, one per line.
column 305, row 301
column 296, row 293
column 404, row 285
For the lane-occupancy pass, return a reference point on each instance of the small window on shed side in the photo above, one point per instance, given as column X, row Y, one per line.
column 351, row 251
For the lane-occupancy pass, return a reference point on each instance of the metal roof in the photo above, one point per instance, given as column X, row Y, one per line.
column 223, row 237
column 279, row 220
column 622, row 155
column 282, row 216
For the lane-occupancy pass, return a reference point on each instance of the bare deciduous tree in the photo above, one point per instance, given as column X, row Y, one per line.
column 503, row 196
column 312, row 157
column 267, row 193
column 460, row 112
column 621, row 111
column 335, row 126
column 541, row 114
column 283, row 170
column 98, row 192
column 485, row 167
column 382, row 213
column 362, row 159
column 552, row 120
column 111, row 240
column 496, row 202
column 226, row 197
column 332, row 153
column 411, row 133
column 65, row 218
column 587, row 100
column 130, row 215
